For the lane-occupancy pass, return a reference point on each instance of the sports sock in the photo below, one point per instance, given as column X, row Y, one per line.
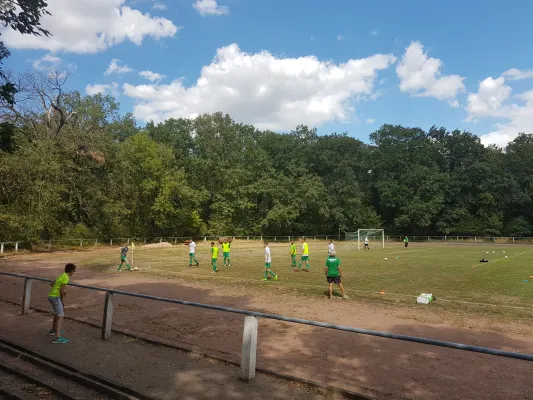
column 272, row 273
column 266, row 274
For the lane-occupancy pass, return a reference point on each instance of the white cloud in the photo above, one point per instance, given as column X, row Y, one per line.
column 111, row 89
column 373, row 32
column 90, row 26
column 46, row 62
column 269, row 92
column 487, row 102
column 116, row 68
column 159, row 6
column 494, row 100
column 516, row 74
column 210, row 7
column 151, row 76
column 370, row 120
column 421, row 75
column 340, row 37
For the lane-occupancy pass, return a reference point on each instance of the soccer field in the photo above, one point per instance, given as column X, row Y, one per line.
column 452, row 272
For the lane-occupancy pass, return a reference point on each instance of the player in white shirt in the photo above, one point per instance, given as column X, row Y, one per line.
column 192, row 251
column 268, row 262
column 366, row 244
column 331, row 248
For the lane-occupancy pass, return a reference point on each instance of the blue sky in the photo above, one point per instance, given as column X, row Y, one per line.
column 454, row 46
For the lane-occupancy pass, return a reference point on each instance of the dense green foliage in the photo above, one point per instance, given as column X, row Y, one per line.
column 78, row 168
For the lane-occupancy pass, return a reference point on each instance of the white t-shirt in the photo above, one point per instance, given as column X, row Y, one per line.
column 267, row 255
column 331, row 248
column 192, row 247
column 366, row 240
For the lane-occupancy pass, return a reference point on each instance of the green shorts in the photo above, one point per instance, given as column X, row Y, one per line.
column 191, row 254
column 122, row 258
column 213, row 260
column 305, row 258
column 226, row 254
column 267, row 265
column 293, row 256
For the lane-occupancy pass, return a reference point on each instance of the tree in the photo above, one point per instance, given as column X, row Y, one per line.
column 25, row 17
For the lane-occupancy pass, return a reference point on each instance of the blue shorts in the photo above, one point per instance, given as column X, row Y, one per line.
column 57, row 306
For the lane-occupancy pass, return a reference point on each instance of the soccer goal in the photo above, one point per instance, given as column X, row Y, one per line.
column 376, row 237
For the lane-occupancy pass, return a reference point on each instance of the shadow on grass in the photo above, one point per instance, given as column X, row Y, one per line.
column 388, row 368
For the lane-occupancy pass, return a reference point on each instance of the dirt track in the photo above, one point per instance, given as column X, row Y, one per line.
column 392, row 369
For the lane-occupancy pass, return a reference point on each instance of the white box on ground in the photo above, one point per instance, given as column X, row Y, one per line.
column 424, row 298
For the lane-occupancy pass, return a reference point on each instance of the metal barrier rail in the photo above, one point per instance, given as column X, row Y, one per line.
column 249, row 346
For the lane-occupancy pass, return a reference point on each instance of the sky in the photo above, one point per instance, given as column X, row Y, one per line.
column 337, row 65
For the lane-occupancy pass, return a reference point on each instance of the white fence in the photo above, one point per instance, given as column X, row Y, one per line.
column 49, row 245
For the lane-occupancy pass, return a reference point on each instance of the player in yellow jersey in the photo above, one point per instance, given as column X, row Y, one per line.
column 214, row 256
column 293, row 254
column 225, row 252
column 305, row 256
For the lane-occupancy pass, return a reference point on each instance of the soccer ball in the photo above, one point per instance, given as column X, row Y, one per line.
column 135, row 269
column 504, row 251
column 385, row 258
column 505, row 256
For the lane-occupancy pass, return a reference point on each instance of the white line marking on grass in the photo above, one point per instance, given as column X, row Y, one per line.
column 370, row 292
column 499, row 259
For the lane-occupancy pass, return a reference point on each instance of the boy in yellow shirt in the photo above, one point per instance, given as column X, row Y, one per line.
column 305, row 257
column 225, row 252
column 56, row 298
column 214, row 256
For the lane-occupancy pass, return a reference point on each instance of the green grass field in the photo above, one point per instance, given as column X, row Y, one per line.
column 451, row 272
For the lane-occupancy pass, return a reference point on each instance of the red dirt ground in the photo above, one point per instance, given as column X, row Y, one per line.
column 382, row 368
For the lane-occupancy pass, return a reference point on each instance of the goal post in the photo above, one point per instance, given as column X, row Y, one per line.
column 376, row 237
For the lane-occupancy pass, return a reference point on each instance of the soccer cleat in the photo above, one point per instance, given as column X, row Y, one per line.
column 346, row 297
column 296, row 270
column 265, row 279
column 275, row 277
column 306, row 270
column 60, row 340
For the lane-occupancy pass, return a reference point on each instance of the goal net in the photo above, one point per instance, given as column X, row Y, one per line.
column 376, row 237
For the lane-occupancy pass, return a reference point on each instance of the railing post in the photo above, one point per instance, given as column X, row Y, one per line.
column 81, row 243
column 26, row 297
column 144, row 240
column 2, row 248
column 249, row 348
column 16, row 247
column 95, row 242
column 108, row 316
column 175, row 240
column 111, row 242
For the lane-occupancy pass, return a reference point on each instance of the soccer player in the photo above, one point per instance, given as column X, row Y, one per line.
column 293, row 254
column 367, row 247
column 56, row 297
column 214, row 256
column 305, row 257
column 192, row 251
column 331, row 247
column 333, row 274
column 225, row 252
column 123, row 259
column 268, row 263
column 406, row 242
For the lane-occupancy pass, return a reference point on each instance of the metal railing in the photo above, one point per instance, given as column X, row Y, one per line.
column 251, row 325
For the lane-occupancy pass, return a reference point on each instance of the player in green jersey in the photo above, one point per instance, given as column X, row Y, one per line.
column 333, row 274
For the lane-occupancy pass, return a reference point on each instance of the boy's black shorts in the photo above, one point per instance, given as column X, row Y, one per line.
column 334, row 279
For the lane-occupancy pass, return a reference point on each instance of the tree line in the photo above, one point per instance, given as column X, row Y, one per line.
column 74, row 166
